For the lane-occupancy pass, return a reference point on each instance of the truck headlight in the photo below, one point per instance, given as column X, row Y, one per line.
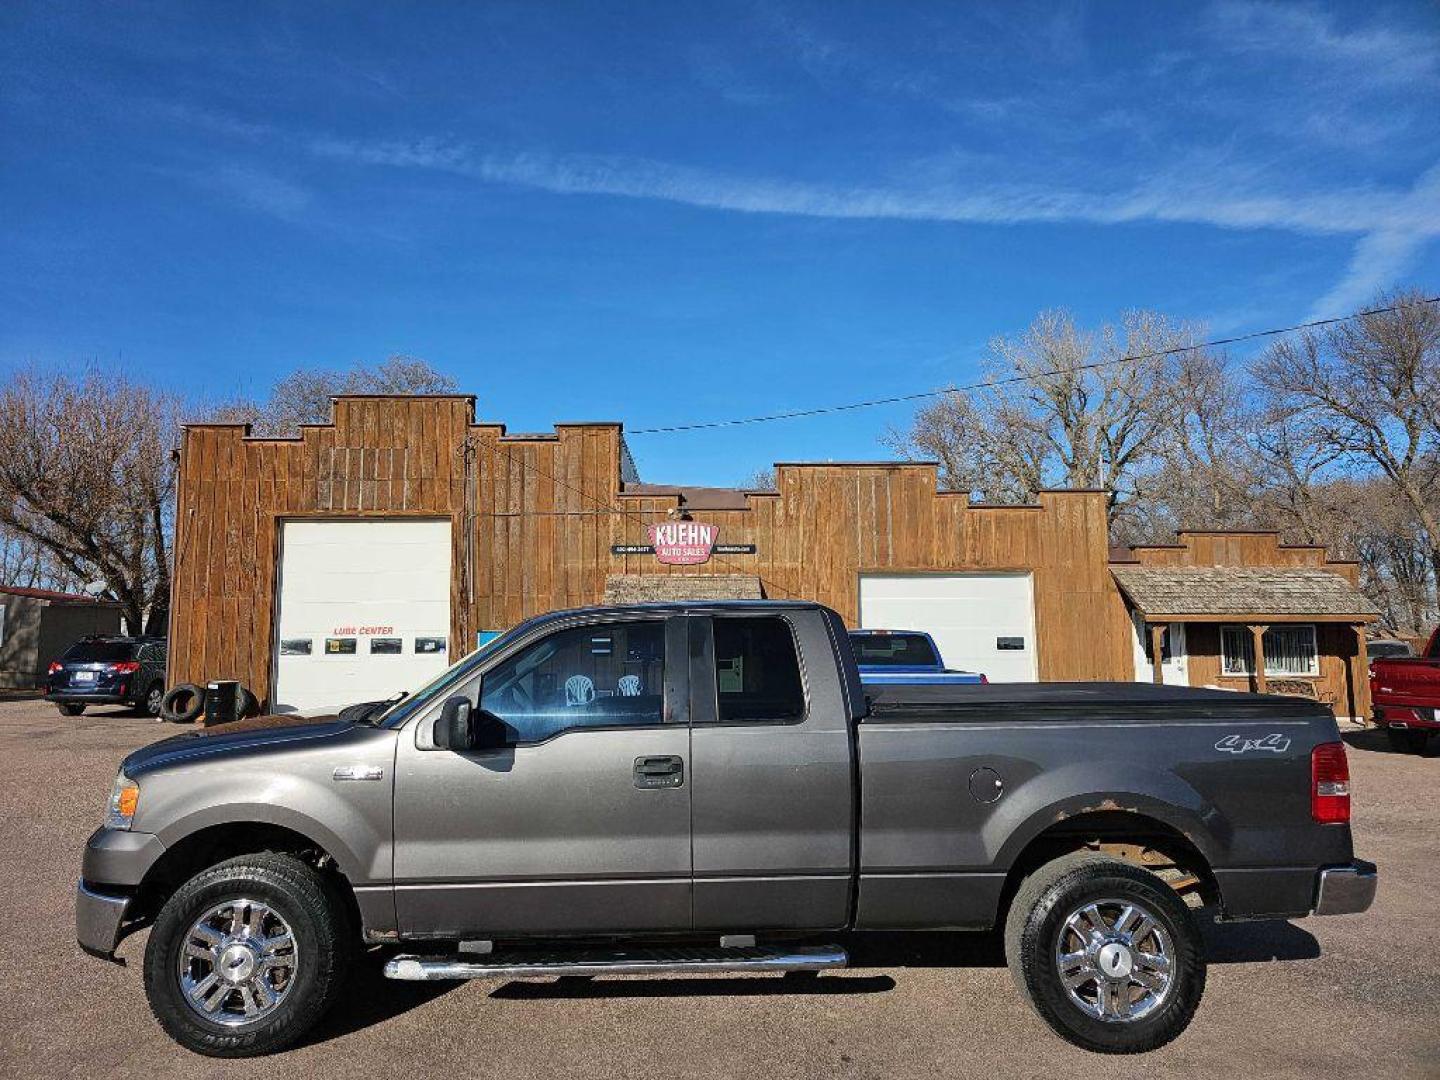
column 124, row 798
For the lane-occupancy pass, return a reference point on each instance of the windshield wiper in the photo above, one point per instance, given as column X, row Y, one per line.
column 365, row 711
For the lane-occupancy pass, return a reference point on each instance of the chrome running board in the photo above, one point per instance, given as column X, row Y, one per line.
column 618, row 962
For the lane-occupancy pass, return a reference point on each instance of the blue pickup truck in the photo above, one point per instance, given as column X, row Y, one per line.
column 904, row 658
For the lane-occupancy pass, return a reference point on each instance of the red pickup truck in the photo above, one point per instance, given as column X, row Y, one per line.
column 1406, row 695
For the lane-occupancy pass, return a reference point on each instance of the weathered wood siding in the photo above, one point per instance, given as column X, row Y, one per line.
column 534, row 518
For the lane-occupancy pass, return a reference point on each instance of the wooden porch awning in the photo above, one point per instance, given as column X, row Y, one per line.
column 654, row 588
column 1242, row 593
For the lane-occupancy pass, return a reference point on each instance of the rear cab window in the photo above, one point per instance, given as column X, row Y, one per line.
column 757, row 671
column 894, row 650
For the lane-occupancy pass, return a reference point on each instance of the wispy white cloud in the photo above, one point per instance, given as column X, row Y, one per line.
column 1382, row 256
column 1214, row 199
column 259, row 190
column 1380, row 53
column 1392, row 225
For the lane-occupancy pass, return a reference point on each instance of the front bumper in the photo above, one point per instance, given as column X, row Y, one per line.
column 1345, row 890
column 98, row 920
column 115, row 863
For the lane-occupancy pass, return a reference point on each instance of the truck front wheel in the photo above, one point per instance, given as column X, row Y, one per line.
column 246, row 956
column 1106, row 953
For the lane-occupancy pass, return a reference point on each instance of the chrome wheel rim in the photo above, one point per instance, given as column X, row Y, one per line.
column 154, row 700
column 1115, row 960
column 238, row 962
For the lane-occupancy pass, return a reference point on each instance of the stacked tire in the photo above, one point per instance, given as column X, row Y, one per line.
column 185, row 703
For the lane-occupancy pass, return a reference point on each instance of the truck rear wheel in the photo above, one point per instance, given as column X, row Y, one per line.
column 246, row 956
column 1106, row 953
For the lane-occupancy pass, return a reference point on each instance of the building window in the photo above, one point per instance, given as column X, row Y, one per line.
column 1289, row 650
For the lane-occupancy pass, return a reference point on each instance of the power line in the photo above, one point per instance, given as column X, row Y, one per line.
column 921, row 395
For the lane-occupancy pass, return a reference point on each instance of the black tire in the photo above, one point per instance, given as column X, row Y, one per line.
column 322, row 935
column 1033, row 935
column 183, row 704
column 153, row 703
column 66, row 709
column 246, row 704
column 1404, row 741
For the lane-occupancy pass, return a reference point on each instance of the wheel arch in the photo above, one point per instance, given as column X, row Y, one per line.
column 1139, row 837
column 215, row 843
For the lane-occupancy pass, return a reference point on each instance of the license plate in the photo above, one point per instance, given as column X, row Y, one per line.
column 83, row 676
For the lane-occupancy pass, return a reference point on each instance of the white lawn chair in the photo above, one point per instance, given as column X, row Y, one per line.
column 579, row 690
column 628, row 685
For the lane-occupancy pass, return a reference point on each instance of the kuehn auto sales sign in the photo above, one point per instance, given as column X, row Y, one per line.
column 682, row 543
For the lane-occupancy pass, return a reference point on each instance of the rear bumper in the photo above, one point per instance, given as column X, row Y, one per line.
column 1346, row 890
column 98, row 919
column 1419, row 718
column 87, row 697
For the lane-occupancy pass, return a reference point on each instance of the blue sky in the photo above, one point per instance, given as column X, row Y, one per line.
column 687, row 211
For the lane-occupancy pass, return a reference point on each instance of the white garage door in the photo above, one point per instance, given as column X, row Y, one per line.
column 364, row 610
column 981, row 622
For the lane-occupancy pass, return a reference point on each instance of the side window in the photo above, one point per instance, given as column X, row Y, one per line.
column 757, row 672
column 601, row 675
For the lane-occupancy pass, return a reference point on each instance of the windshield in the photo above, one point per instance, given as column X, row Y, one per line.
column 1388, row 648
column 408, row 706
column 894, row 650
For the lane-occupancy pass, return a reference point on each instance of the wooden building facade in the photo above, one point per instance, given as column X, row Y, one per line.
column 534, row 523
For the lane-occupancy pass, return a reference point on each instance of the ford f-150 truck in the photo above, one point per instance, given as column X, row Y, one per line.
column 904, row 657
column 708, row 787
column 1405, row 693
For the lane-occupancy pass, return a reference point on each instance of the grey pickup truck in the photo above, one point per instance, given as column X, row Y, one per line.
column 708, row 787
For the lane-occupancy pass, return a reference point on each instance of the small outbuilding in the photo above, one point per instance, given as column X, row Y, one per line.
column 37, row 625
column 1242, row 611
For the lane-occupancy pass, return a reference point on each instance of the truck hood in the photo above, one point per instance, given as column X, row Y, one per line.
column 259, row 734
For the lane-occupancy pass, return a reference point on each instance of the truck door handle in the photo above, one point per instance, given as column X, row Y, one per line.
column 659, row 772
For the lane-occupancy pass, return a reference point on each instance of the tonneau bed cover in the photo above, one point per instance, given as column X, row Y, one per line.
column 1078, row 700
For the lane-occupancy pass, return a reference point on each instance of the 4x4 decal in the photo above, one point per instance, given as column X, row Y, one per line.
column 1234, row 744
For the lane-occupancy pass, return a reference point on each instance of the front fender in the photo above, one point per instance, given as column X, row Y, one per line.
column 337, row 795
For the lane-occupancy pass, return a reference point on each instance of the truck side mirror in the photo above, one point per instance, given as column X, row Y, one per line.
column 455, row 730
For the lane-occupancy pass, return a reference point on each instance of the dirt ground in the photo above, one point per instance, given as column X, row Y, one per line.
column 1349, row 996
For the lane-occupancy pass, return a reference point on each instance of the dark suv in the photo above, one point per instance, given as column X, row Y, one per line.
column 109, row 671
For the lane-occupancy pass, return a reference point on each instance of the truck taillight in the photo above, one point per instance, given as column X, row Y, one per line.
column 1329, row 784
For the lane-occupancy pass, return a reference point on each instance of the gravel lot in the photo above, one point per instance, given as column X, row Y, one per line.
column 1356, row 996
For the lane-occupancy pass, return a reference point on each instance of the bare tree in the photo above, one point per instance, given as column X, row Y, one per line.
column 1064, row 407
column 87, row 480
column 303, row 396
column 760, row 480
column 1365, row 395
